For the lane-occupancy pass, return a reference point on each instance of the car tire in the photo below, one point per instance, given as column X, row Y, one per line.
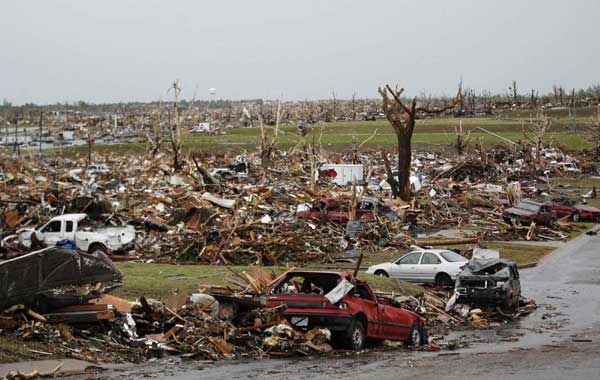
column 506, row 309
column 417, row 336
column 576, row 217
column 382, row 273
column 95, row 248
column 444, row 279
column 356, row 336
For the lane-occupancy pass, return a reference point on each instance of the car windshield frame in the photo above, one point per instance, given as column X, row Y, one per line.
column 417, row 253
column 529, row 206
column 322, row 281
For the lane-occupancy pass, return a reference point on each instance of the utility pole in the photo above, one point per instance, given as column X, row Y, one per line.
column 40, row 137
column 573, row 104
column 16, row 146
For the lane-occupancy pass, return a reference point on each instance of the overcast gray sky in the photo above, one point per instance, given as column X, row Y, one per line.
column 124, row 50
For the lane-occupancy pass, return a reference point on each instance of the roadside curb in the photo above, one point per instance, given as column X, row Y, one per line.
column 528, row 265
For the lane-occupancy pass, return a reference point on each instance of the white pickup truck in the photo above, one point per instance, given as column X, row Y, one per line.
column 75, row 227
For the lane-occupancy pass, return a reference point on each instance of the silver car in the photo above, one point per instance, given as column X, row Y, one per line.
column 434, row 266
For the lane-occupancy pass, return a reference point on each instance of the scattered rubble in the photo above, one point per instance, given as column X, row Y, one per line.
column 227, row 209
column 195, row 216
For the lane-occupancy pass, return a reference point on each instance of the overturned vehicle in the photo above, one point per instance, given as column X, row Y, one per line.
column 56, row 277
column 490, row 282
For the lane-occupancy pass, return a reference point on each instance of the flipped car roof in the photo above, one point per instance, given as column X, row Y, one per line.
column 76, row 217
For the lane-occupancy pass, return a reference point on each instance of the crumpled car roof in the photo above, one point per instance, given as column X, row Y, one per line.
column 475, row 266
column 36, row 279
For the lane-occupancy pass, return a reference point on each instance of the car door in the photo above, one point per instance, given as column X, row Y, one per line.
column 52, row 232
column 406, row 266
column 395, row 322
column 515, row 282
column 545, row 215
column 69, row 232
column 428, row 267
column 562, row 210
column 365, row 300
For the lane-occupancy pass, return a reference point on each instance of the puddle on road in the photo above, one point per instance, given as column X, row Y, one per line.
column 510, row 333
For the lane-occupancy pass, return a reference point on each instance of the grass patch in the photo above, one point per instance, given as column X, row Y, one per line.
column 161, row 280
column 339, row 135
column 580, row 228
column 576, row 187
column 520, row 253
column 15, row 349
column 386, row 284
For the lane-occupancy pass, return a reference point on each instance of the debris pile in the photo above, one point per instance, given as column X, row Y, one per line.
column 432, row 305
column 215, row 324
column 237, row 213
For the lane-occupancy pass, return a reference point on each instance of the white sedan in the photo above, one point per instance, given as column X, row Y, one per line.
column 437, row 266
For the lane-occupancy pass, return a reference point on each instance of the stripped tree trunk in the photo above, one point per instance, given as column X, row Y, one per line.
column 403, row 119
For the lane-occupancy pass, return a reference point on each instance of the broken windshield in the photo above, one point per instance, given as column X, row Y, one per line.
column 452, row 257
column 529, row 206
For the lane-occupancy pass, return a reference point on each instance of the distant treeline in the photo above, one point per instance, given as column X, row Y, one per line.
column 558, row 95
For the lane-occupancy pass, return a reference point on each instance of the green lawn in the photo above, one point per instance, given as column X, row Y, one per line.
column 335, row 141
column 437, row 132
column 520, row 253
column 575, row 187
column 160, row 280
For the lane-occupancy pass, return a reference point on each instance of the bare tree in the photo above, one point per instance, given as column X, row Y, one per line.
column 559, row 94
column 334, row 116
column 403, row 119
column 535, row 131
column 514, row 92
column 176, row 127
column 155, row 139
column 268, row 143
column 593, row 132
column 176, row 135
column 155, row 136
column 462, row 138
column 17, row 148
column 90, row 142
column 572, row 104
column 534, row 98
column 354, row 106
column 470, row 100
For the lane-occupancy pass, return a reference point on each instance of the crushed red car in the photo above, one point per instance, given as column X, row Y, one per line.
column 338, row 211
column 566, row 208
column 529, row 211
column 348, row 307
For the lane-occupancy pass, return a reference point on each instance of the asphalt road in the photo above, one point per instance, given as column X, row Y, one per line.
column 559, row 340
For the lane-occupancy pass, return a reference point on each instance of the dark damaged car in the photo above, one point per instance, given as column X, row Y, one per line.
column 527, row 212
column 490, row 282
column 56, row 277
column 348, row 307
column 567, row 208
column 339, row 211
